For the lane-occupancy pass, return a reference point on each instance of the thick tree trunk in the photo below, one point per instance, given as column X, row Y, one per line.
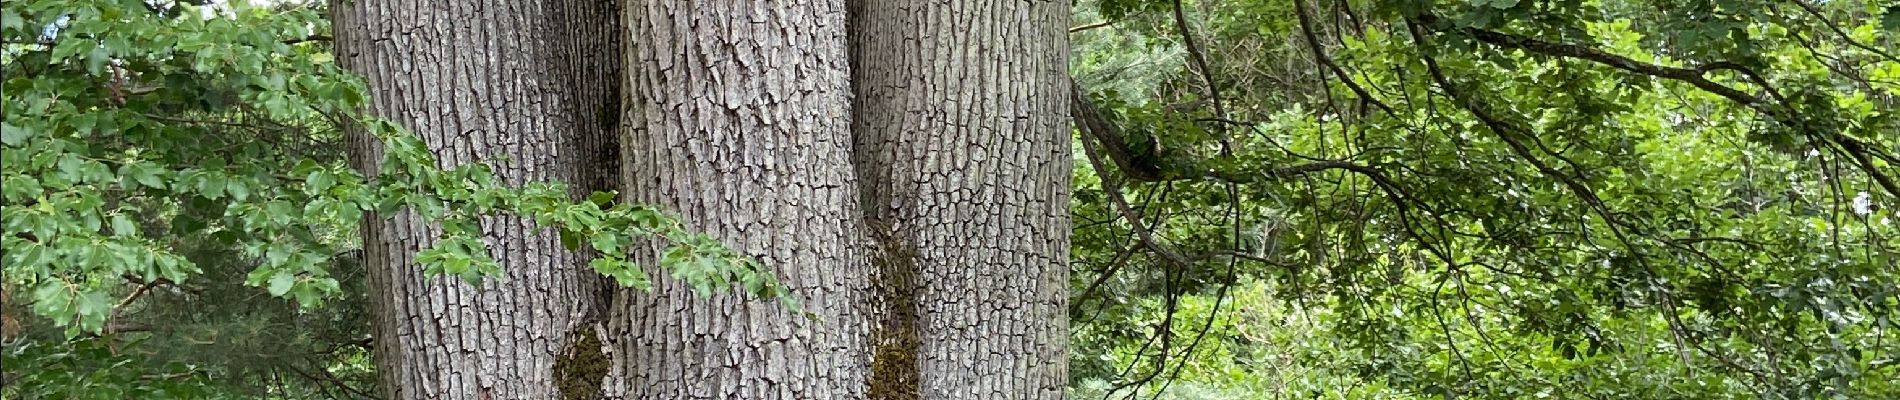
column 738, row 116
column 963, row 151
column 477, row 80
column 738, row 120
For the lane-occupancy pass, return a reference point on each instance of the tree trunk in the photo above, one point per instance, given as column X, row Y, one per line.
column 477, row 80
column 963, row 151
column 738, row 120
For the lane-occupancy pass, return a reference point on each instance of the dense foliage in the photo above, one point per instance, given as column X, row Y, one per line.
column 1313, row 199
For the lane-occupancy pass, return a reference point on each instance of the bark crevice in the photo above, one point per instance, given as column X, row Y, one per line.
column 894, row 335
column 583, row 364
column 737, row 121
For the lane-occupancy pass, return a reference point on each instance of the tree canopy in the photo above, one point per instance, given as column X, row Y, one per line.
column 1494, row 199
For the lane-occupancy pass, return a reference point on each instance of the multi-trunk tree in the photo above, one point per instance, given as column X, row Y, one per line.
column 906, row 179
column 1609, row 199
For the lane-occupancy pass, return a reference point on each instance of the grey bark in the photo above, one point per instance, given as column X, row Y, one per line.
column 479, row 80
column 963, row 151
column 738, row 119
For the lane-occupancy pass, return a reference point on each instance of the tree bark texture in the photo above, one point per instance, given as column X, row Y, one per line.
column 925, row 224
column 963, row 151
column 738, row 120
column 479, row 81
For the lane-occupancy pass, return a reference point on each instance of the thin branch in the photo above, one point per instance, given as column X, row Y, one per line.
column 1112, row 187
column 1091, row 26
column 1114, row 266
column 1855, row 148
column 306, row 39
column 1319, row 52
column 1093, row 125
column 1837, row 31
column 1199, row 58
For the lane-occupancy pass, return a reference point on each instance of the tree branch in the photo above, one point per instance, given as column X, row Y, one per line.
column 1089, row 120
column 1199, row 58
column 1861, row 153
column 1094, row 127
column 1319, row 53
column 1838, row 31
column 1091, row 26
column 311, row 38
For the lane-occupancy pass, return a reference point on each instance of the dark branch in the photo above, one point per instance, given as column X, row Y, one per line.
column 1091, row 26
column 1781, row 112
column 311, row 38
column 1692, row 76
column 1319, row 53
column 1199, row 58
column 1097, row 128
column 1843, row 34
column 1089, row 120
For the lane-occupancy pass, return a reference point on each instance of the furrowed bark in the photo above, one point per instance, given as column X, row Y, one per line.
column 479, row 81
column 963, row 148
column 738, row 119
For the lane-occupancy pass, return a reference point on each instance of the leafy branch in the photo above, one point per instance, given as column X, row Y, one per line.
column 1779, row 110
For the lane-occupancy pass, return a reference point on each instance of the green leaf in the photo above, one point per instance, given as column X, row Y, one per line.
column 123, row 226
column 753, row 284
column 388, row 205
column 277, row 253
column 1496, row 4
column 32, row 255
column 54, row 300
column 606, row 243
column 457, row 265
column 96, row 60
column 237, row 190
column 10, row 20
column 67, row 48
column 13, row 135
column 72, row 168
column 624, row 273
column 143, row 173
column 601, row 198
column 281, row 212
column 93, row 307
column 307, row 296
column 211, row 186
column 570, row 239
column 281, row 283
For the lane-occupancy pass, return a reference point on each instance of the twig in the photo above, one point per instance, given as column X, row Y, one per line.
column 311, row 38
column 1837, row 30
column 1312, row 42
column 1091, row 26
column 1207, row 74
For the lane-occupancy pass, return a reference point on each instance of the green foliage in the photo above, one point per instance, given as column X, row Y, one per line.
column 89, row 369
column 167, row 163
column 217, row 328
column 1541, row 206
column 128, row 124
column 1258, row 347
